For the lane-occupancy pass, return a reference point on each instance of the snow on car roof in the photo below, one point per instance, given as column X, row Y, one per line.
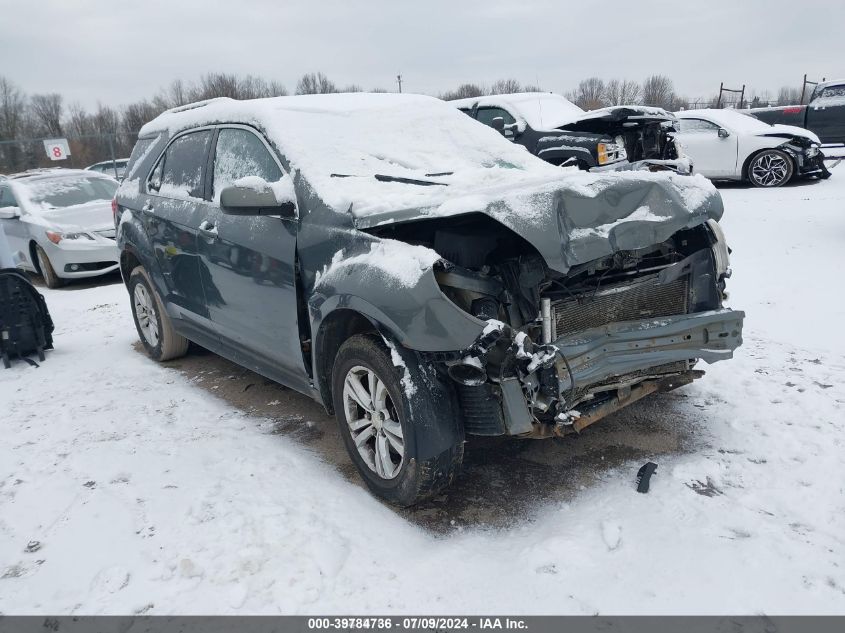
column 540, row 110
column 737, row 121
column 340, row 142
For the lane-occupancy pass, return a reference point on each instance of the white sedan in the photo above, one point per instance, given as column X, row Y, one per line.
column 729, row 145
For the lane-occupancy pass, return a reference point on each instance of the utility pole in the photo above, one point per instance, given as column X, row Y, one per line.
column 399, row 81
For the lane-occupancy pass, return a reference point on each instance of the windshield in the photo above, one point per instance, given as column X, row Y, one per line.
column 547, row 111
column 69, row 191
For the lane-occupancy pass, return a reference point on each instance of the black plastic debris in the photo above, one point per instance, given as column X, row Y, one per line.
column 644, row 476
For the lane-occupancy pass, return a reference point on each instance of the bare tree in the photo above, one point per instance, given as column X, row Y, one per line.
column 47, row 113
column 12, row 113
column 789, row 96
column 351, row 88
column 464, row 91
column 505, row 86
column 12, row 106
column 589, row 94
column 658, row 91
column 531, row 88
column 315, row 84
column 622, row 92
column 135, row 115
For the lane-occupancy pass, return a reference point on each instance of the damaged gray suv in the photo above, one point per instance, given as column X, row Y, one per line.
column 416, row 273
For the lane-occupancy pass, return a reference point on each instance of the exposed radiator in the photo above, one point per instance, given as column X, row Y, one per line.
column 626, row 301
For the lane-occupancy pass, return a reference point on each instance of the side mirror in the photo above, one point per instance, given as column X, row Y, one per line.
column 256, row 196
column 723, row 133
column 10, row 213
column 498, row 124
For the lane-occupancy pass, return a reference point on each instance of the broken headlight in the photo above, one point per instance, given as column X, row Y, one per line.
column 813, row 150
column 721, row 252
column 612, row 152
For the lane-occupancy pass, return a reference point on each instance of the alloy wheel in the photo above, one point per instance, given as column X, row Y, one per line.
column 145, row 312
column 373, row 422
column 769, row 170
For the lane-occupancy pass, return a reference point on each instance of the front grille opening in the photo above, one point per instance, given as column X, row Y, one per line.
column 643, row 299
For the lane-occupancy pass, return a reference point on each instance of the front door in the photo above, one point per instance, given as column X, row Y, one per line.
column 251, row 286
column 826, row 114
column 712, row 156
column 172, row 210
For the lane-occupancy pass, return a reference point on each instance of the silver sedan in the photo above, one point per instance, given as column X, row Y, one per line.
column 59, row 223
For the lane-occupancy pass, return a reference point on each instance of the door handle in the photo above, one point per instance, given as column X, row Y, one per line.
column 147, row 209
column 208, row 230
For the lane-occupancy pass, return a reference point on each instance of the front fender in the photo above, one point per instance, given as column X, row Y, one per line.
column 420, row 317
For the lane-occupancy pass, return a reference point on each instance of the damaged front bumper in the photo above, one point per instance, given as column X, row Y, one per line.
column 536, row 388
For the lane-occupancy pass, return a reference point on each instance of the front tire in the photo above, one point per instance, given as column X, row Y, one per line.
column 48, row 273
column 404, row 440
column 770, row 168
column 151, row 320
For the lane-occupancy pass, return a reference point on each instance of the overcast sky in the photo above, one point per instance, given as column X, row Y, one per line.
column 119, row 51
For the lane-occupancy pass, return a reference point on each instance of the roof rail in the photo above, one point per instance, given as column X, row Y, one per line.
column 197, row 104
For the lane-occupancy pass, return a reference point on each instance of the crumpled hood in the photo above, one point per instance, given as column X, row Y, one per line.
column 574, row 221
column 792, row 130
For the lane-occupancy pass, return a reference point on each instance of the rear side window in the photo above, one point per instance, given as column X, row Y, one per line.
column 179, row 173
column 486, row 116
column 241, row 153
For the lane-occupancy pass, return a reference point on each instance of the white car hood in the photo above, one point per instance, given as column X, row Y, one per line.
column 95, row 216
column 794, row 131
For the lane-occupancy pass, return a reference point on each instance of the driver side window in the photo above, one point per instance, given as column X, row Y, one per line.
column 239, row 154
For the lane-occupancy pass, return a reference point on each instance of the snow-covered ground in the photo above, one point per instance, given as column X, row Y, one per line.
column 138, row 492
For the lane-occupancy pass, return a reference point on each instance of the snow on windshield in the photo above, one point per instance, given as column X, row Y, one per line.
column 68, row 191
column 540, row 110
column 544, row 111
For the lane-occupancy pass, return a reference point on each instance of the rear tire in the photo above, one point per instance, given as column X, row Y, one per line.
column 48, row 273
column 154, row 326
column 404, row 460
column 770, row 168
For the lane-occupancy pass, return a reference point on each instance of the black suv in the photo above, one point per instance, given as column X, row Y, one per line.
column 417, row 274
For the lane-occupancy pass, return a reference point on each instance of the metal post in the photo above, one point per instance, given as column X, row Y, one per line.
column 741, row 96
column 399, row 81
column 111, row 153
column 803, row 89
column 719, row 100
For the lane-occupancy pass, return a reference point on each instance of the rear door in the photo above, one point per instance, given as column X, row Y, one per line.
column 712, row 156
column 173, row 208
column 251, row 283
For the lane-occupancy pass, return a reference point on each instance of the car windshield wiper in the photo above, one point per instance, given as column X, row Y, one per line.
column 409, row 181
column 406, row 181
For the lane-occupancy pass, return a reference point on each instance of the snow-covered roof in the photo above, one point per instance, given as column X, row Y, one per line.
column 540, row 110
column 340, row 142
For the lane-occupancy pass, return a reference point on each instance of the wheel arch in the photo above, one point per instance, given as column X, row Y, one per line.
column 334, row 330
column 757, row 152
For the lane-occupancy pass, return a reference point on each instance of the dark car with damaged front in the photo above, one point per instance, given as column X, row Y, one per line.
column 416, row 273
